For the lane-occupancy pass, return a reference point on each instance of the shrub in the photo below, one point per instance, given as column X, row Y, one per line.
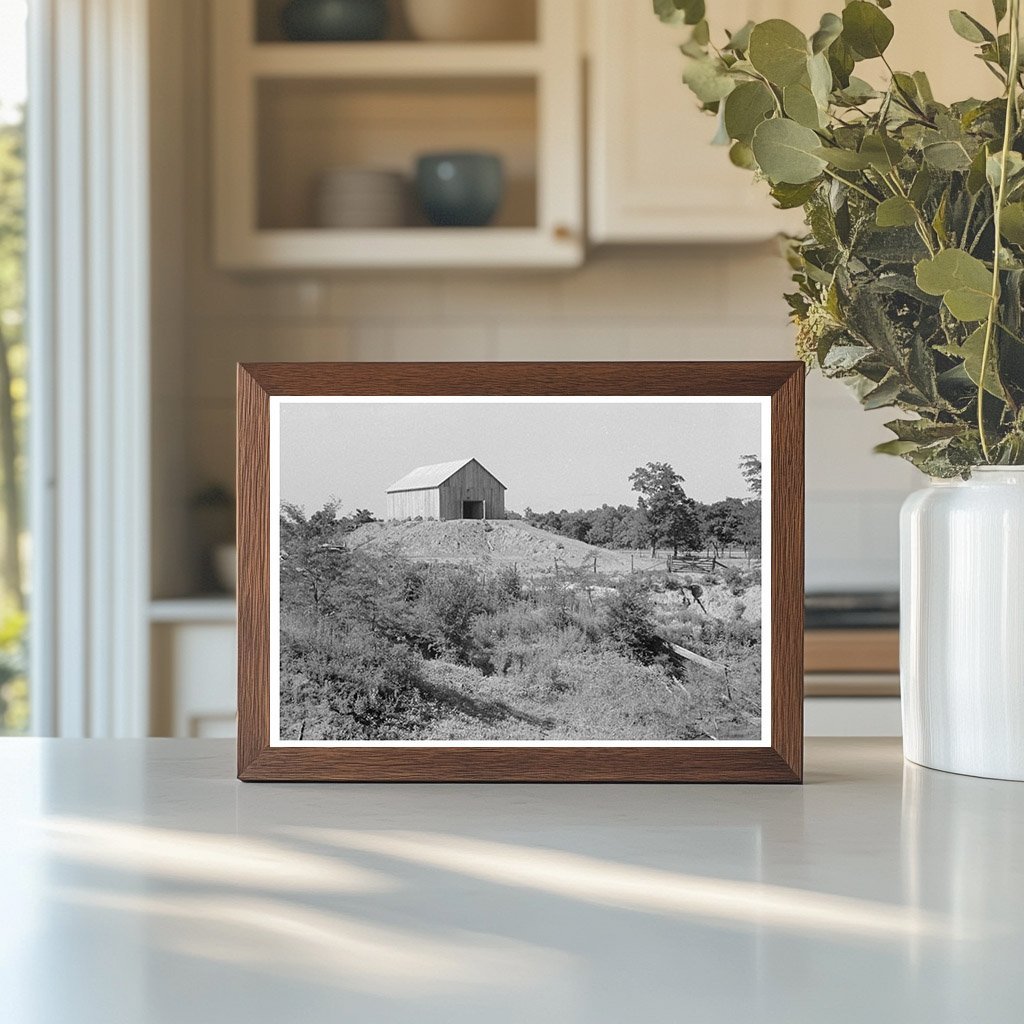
column 451, row 598
column 631, row 620
column 348, row 684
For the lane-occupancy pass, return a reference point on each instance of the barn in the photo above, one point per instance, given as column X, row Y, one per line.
column 450, row 490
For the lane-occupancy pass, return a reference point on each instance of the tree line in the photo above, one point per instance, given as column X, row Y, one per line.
column 665, row 516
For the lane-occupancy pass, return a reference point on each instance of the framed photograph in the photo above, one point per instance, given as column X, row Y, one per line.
column 520, row 572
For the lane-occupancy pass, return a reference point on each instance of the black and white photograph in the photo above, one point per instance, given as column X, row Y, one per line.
column 512, row 571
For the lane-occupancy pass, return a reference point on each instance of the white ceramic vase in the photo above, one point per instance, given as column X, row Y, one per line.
column 962, row 624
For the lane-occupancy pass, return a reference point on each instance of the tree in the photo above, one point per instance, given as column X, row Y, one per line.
column 312, row 559
column 12, row 350
column 632, row 529
column 671, row 514
column 750, row 467
column 723, row 522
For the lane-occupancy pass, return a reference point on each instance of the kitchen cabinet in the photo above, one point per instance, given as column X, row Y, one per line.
column 653, row 175
column 286, row 113
column 192, row 646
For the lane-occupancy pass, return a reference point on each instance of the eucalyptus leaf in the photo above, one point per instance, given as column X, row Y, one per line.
column 972, row 353
column 800, row 105
column 741, row 155
column 789, row 197
column 939, row 220
column 819, row 74
column 883, row 153
column 895, row 212
column 921, row 185
column 676, row 12
column 895, row 447
column 923, row 431
column 884, row 395
column 829, row 30
column 976, row 172
column 947, row 156
column 844, row 159
column 969, row 28
column 786, row 152
column 739, row 41
column 866, row 29
column 963, row 281
column 779, row 51
column 745, row 108
column 1012, row 225
column 924, row 87
column 842, row 61
column 1014, row 169
column 721, row 136
column 708, row 80
column 858, row 91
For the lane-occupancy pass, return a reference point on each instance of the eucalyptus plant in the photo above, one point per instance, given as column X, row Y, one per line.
column 909, row 280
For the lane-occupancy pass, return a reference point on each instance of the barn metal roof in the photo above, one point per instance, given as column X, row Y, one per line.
column 424, row 477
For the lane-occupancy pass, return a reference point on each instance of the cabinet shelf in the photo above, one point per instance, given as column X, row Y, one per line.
column 392, row 60
column 287, row 113
column 310, row 248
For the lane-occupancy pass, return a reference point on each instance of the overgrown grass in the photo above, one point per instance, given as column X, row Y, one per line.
column 393, row 649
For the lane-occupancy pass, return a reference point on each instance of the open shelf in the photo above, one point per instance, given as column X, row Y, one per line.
column 308, row 127
column 288, row 113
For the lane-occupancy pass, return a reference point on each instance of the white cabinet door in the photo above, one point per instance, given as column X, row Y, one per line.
column 653, row 175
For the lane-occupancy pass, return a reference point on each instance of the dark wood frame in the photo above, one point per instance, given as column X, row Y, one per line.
column 782, row 761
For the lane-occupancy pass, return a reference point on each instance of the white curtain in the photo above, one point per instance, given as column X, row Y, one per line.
column 88, row 318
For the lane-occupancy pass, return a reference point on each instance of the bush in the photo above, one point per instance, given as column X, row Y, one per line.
column 348, row 684
column 631, row 620
column 451, row 597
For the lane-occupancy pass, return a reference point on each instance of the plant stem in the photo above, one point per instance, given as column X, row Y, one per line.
column 993, row 309
column 923, row 228
column 856, row 188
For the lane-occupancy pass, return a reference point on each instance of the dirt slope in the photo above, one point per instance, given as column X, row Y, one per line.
column 497, row 542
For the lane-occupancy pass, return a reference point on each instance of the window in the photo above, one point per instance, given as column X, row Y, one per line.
column 14, row 549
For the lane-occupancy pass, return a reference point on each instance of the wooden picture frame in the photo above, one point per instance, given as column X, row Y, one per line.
column 777, row 757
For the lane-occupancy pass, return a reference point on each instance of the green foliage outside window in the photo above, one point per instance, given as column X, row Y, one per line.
column 13, row 412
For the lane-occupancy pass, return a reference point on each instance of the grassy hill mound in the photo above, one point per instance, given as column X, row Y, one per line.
column 503, row 541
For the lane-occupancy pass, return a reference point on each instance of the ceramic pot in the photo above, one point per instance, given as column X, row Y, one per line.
column 334, row 20
column 962, row 624
column 471, row 20
column 361, row 198
column 460, row 189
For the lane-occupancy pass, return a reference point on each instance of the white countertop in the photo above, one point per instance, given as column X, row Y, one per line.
column 143, row 885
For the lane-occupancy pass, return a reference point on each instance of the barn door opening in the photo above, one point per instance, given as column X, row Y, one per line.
column 472, row 510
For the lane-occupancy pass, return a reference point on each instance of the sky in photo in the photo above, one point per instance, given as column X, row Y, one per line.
column 548, row 455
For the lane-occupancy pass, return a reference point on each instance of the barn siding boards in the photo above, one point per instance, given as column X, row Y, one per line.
column 412, row 504
column 469, row 481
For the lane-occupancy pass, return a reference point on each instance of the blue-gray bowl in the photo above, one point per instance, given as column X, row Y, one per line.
column 462, row 190
column 332, row 21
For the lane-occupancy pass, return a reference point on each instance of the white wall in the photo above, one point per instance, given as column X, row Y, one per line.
column 665, row 303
